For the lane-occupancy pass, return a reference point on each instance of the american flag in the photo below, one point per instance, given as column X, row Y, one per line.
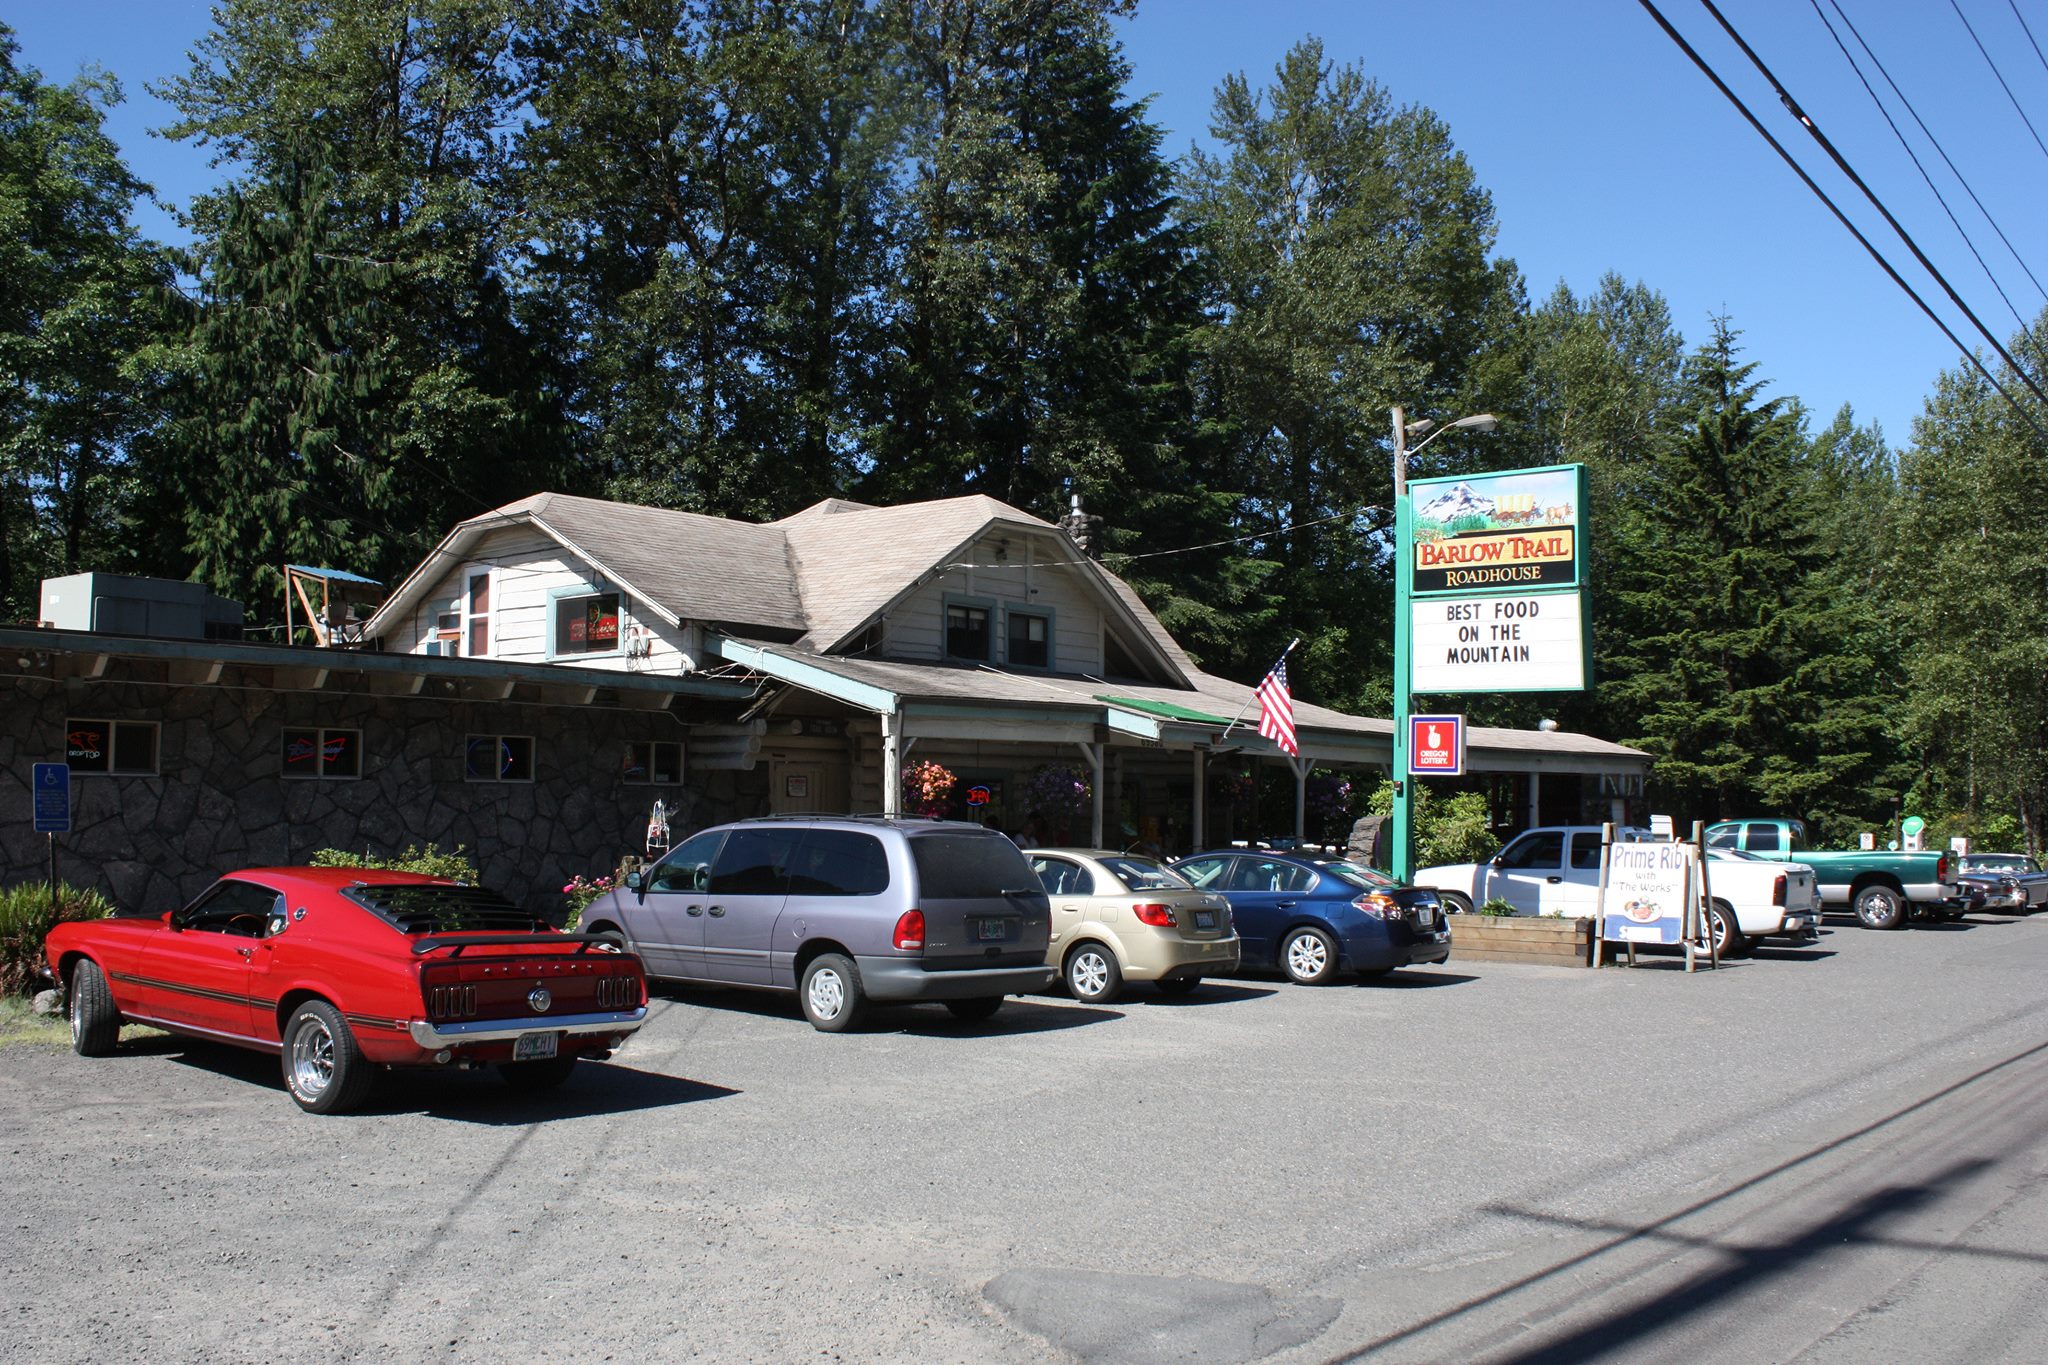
column 1276, row 709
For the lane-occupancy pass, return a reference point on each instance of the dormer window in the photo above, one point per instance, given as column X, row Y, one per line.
column 1030, row 639
column 585, row 622
column 967, row 631
column 476, row 617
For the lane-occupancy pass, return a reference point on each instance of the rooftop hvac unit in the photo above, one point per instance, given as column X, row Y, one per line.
column 158, row 608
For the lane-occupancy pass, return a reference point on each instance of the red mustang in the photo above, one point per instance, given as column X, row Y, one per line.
column 341, row 971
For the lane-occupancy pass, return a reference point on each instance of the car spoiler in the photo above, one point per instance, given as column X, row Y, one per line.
column 584, row 942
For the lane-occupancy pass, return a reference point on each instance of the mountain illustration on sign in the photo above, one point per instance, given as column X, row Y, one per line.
column 1458, row 501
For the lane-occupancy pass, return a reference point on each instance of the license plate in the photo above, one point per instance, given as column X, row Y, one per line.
column 1205, row 919
column 994, row 930
column 534, row 1047
column 1424, row 916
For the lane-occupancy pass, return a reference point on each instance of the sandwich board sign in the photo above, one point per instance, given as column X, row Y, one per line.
column 1648, row 888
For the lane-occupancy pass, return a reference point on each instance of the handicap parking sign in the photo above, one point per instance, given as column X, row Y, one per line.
column 52, row 785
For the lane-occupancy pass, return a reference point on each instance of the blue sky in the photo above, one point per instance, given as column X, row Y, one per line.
column 1603, row 147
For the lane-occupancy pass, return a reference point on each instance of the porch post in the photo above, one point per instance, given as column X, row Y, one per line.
column 892, row 764
column 1300, row 767
column 1198, row 838
column 1093, row 753
column 1535, row 800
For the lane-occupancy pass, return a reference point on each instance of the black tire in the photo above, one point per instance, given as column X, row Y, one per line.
column 1308, row 956
column 95, row 1023
column 831, row 993
column 545, row 1074
column 1880, row 907
column 1093, row 977
column 1730, row 942
column 975, row 1010
column 1455, row 902
column 324, row 1070
column 1178, row 985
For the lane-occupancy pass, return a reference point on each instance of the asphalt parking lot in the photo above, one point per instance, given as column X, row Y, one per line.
column 1829, row 1154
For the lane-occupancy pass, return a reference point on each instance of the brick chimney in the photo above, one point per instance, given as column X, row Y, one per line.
column 1083, row 529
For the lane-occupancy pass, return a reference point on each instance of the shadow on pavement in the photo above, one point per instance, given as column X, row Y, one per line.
column 1210, row 992
column 471, row 1096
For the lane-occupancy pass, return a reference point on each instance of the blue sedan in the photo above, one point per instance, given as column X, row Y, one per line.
column 1314, row 918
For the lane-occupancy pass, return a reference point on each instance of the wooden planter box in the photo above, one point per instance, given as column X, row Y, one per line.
column 1521, row 938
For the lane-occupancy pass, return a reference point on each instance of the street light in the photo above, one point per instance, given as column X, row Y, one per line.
column 1404, row 573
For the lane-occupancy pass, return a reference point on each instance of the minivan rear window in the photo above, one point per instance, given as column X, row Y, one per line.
column 969, row 866
column 839, row 862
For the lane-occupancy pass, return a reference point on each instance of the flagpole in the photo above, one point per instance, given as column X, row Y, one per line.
column 1255, row 691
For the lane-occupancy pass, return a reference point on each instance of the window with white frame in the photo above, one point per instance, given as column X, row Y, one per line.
column 498, row 758
column 315, row 753
column 476, row 616
column 446, row 635
column 114, row 748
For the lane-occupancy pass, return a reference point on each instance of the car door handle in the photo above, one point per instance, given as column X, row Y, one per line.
column 246, row 953
column 693, row 909
column 716, row 912
column 1553, row 880
column 1283, row 905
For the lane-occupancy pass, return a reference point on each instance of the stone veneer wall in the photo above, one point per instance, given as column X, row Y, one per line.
column 220, row 801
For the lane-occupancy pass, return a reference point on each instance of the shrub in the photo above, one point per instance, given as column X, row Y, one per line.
column 928, row 789
column 580, row 892
column 25, row 921
column 428, row 861
column 1448, row 829
column 1497, row 907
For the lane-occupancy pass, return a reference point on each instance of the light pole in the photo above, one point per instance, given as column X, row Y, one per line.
column 1404, row 575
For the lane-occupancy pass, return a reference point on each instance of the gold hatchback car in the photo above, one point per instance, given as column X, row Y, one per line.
column 1120, row 917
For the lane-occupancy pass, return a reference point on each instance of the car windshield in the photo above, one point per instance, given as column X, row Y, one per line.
column 442, row 908
column 1143, row 874
column 1363, row 877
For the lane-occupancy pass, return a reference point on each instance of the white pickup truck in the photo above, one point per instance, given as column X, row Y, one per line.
column 1555, row 870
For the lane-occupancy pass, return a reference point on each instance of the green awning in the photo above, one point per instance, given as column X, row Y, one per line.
column 1164, row 708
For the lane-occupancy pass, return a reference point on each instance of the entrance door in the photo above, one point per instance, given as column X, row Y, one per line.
column 804, row 786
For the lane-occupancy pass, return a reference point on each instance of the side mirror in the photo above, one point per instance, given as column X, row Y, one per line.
column 1495, row 861
column 633, row 882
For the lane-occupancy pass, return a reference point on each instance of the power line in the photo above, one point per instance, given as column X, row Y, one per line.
column 1936, row 142
column 1911, row 155
column 1842, row 164
column 2001, row 77
column 2029, row 32
column 1840, row 217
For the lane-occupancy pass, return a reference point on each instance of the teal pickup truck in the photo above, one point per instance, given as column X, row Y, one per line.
column 1882, row 889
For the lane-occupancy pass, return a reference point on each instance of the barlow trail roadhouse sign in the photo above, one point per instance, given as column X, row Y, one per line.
column 1496, row 602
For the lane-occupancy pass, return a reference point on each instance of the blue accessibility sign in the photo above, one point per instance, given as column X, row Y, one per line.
column 52, row 784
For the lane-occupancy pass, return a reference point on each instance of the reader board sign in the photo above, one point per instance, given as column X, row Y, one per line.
column 1647, row 886
column 1436, row 746
column 1534, row 642
column 1522, row 529
column 52, row 784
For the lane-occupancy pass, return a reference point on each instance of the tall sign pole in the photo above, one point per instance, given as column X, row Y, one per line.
column 1404, row 574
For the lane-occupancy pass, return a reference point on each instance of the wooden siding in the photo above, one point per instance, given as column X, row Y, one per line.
column 915, row 629
column 527, row 568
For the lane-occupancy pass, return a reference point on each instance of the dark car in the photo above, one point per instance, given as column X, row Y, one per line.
column 2011, row 882
column 841, row 910
column 1314, row 918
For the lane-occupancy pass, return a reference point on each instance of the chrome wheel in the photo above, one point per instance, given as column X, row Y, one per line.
column 312, row 1059
column 1089, row 974
column 1309, row 956
column 826, row 994
column 77, row 1021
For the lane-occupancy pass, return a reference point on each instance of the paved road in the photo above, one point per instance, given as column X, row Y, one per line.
column 1828, row 1155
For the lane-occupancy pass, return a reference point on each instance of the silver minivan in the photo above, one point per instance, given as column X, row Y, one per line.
column 842, row 910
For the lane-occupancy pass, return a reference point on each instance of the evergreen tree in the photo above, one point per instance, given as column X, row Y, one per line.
column 1347, row 247
column 77, row 323
column 1969, row 580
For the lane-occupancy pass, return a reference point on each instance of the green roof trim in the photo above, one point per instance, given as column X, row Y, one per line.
column 1163, row 708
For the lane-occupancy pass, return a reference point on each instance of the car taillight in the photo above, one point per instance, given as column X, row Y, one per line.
column 1941, row 868
column 1778, row 890
column 457, row 1001
column 1159, row 916
column 909, row 936
column 1379, row 906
